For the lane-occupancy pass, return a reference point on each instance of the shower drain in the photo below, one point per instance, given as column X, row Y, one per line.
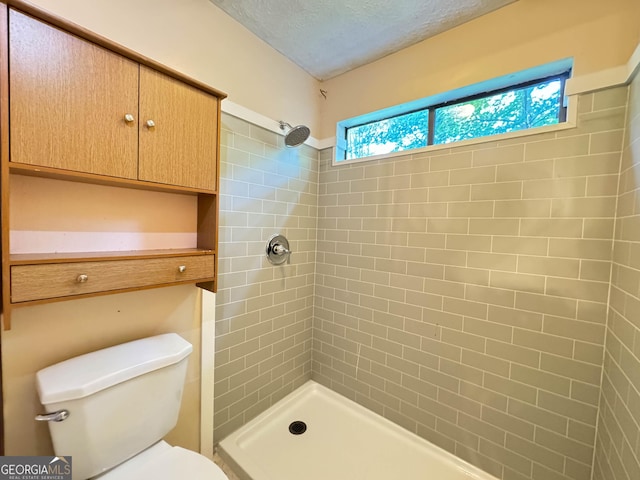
column 297, row 428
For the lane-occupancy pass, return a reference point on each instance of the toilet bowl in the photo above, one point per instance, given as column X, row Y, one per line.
column 110, row 409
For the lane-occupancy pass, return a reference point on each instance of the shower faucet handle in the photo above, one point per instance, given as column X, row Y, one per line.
column 281, row 249
column 278, row 250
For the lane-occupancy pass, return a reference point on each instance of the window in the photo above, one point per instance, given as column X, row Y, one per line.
column 525, row 105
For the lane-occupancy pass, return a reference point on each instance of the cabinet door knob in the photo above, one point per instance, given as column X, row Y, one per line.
column 151, row 124
column 182, row 268
column 82, row 278
column 129, row 118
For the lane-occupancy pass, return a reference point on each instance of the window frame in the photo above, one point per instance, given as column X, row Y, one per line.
column 559, row 70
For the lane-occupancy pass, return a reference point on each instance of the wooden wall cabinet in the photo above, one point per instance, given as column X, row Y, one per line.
column 74, row 106
column 77, row 106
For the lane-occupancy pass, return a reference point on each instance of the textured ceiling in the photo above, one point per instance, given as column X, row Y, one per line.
column 330, row 37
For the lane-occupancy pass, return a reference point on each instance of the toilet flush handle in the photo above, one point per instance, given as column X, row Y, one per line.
column 58, row 416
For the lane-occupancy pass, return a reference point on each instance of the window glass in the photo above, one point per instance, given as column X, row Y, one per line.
column 394, row 134
column 533, row 106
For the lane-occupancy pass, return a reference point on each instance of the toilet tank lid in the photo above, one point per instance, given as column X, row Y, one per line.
column 87, row 374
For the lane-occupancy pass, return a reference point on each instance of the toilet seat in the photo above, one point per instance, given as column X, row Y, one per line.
column 164, row 462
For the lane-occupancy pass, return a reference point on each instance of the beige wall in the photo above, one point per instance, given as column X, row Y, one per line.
column 462, row 293
column 87, row 218
column 197, row 38
column 264, row 312
column 618, row 443
column 525, row 34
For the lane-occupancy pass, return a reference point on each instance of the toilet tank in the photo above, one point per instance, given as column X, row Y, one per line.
column 120, row 400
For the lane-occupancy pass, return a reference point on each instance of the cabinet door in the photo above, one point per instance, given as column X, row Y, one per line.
column 68, row 102
column 181, row 147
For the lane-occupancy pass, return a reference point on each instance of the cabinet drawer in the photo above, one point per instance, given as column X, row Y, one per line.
column 43, row 281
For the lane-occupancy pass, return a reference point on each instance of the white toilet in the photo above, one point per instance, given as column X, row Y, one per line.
column 110, row 410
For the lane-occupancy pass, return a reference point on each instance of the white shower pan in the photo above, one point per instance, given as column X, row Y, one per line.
column 342, row 441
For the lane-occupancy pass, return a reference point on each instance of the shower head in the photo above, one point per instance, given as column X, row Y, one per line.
column 296, row 135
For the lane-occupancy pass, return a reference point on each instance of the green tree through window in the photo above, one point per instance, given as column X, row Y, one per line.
column 535, row 104
column 395, row 134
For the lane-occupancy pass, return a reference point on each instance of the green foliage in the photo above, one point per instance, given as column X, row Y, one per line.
column 394, row 134
column 529, row 107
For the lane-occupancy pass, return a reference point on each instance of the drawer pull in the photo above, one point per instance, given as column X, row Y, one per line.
column 82, row 278
column 129, row 118
column 182, row 268
column 151, row 124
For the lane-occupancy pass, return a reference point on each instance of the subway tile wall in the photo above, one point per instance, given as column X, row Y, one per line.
column 463, row 293
column 264, row 312
column 618, row 443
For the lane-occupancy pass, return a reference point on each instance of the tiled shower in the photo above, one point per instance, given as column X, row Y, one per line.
column 461, row 293
column 264, row 314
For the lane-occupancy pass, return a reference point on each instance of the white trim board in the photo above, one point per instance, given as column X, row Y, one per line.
column 633, row 65
column 591, row 82
column 610, row 77
column 207, row 368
